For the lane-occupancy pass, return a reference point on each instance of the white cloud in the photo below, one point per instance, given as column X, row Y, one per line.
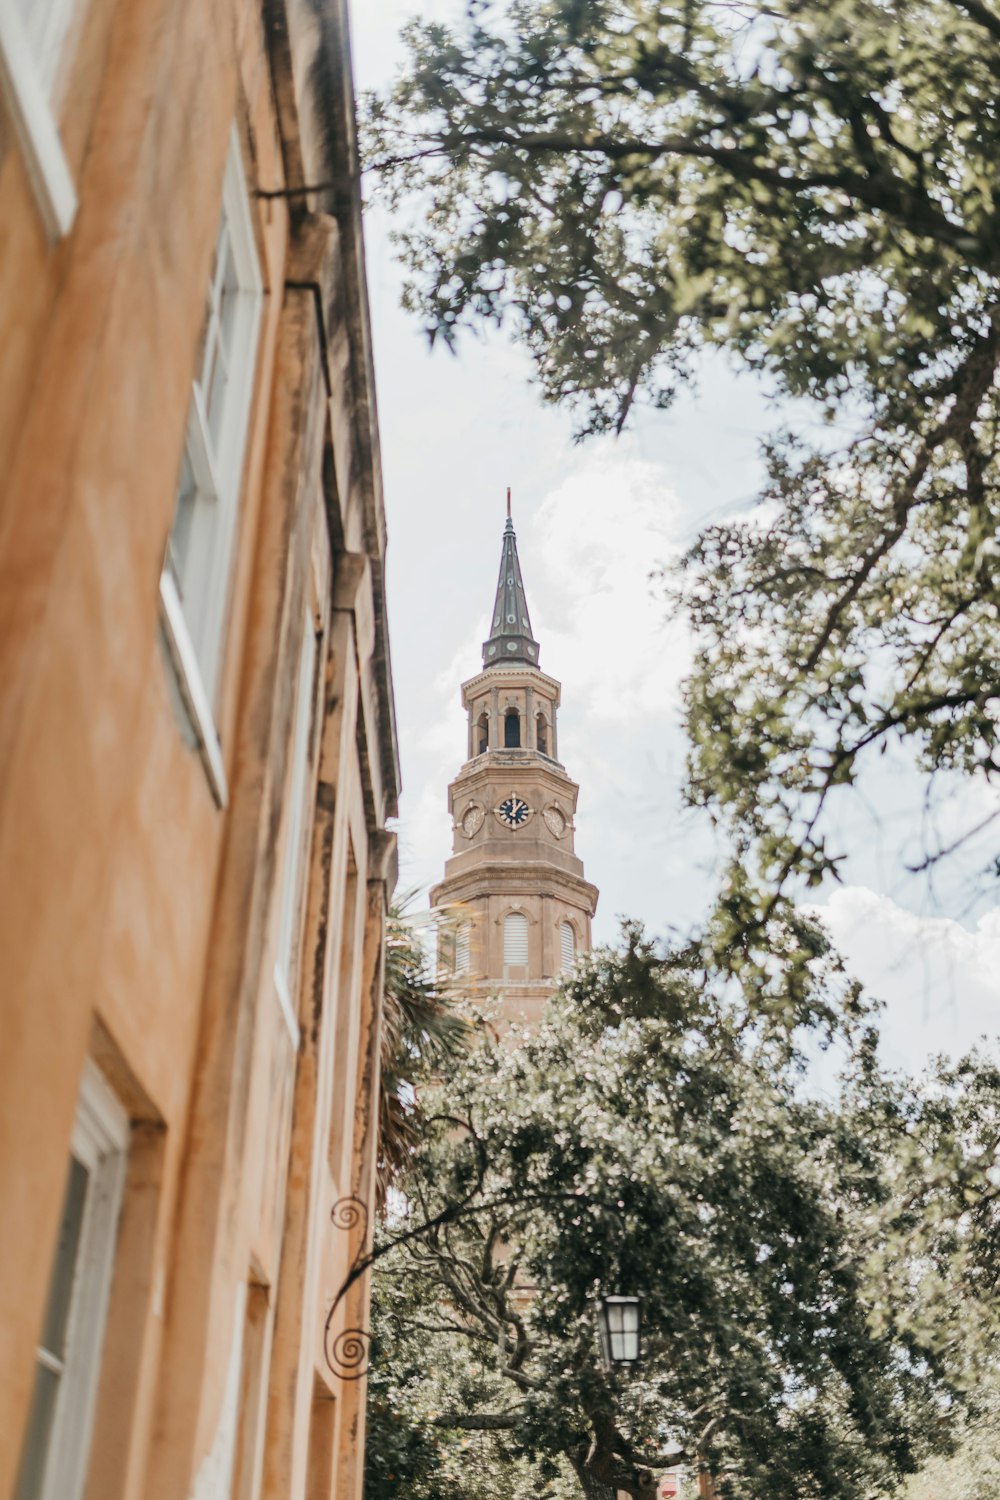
column 595, row 540
column 940, row 980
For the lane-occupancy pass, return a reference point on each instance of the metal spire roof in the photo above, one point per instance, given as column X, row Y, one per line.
column 510, row 635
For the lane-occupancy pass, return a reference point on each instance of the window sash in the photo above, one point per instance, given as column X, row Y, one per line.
column 194, row 585
column 292, row 865
column 567, row 944
column 57, row 1439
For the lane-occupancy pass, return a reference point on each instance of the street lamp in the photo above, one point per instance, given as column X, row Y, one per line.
column 618, row 1329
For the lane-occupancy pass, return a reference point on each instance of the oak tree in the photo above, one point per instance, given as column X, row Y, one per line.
column 809, row 186
column 816, row 1254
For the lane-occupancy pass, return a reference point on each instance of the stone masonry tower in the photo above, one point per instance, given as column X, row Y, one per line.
column 514, row 886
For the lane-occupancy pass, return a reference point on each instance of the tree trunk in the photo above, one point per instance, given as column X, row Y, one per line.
column 593, row 1488
column 596, row 1489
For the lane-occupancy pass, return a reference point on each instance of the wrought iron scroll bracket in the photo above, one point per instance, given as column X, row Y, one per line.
column 347, row 1352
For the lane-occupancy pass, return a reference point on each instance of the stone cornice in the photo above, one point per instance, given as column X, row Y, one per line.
column 499, row 765
column 512, row 676
column 535, row 879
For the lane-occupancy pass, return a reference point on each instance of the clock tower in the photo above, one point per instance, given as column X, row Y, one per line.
column 514, row 885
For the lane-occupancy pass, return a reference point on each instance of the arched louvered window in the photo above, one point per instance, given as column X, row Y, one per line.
column 567, row 944
column 512, row 729
column 463, row 948
column 541, row 734
column 483, row 731
column 515, row 938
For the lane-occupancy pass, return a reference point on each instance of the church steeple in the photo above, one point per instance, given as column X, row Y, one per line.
column 514, row 885
column 510, row 637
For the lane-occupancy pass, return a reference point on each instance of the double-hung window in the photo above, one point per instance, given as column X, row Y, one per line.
column 57, row 1437
column 194, row 585
column 289, row 897
column 32, row 37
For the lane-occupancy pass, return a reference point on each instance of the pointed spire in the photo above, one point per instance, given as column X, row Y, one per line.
column 510, row 630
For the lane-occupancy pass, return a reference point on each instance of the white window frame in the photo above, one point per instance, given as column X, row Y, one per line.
column 100, row 1143
column 195, row 628
column 26, row 80
column 296, row 834
column 463, row 948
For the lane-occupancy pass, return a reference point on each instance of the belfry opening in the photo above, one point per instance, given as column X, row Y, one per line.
column 512, row 729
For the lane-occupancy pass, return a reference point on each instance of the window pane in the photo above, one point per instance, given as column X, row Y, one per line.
column 215, row 394
column 228, row 295
column 64, row 1269
column 48, row 1375
column 179, row 549
column 37, row 1435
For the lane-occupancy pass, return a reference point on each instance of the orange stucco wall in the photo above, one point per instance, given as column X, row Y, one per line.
column 137, row 920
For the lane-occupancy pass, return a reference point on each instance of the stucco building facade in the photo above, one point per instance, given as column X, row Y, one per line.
column 519, row 907
column 197, row 751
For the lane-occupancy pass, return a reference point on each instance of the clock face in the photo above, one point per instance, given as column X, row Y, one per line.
column 513, row 811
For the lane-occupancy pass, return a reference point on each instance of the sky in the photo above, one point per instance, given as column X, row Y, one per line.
column 594, row 523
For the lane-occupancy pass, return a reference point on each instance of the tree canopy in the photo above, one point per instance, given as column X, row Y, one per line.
column 810, row 186
column 817, row 1267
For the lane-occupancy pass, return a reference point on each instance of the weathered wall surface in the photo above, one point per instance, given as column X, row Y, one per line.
column 139, row 920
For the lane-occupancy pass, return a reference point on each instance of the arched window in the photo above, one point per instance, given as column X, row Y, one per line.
column 483, row 732
column 541, row 734
column 567, row 945
column 512, row 729
column 515, row 938
column 463, row 948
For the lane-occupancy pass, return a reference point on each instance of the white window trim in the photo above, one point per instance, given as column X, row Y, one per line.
column 27, row 100
column 286, row 1007
column 232, row 449
column 192, row 688
column 297, row 831
column 100, row 1142
column 198, row 673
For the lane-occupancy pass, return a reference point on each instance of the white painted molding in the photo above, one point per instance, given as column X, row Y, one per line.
column 100, row 1143
column 192, row 688
column 285, row 1006
column 35, row 126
